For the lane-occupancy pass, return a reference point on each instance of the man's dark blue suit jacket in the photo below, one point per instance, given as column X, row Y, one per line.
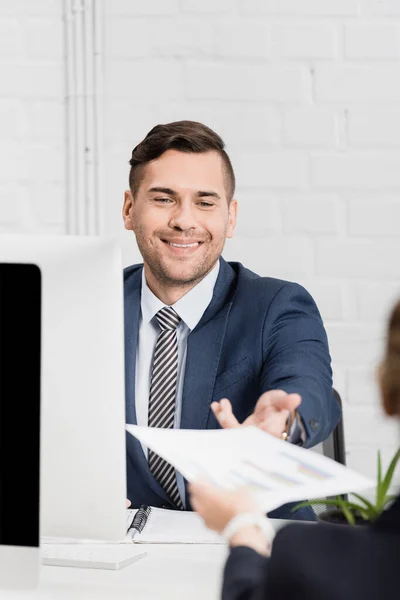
column 257, row 334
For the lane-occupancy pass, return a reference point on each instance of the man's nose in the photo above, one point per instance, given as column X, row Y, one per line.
column 183, row 217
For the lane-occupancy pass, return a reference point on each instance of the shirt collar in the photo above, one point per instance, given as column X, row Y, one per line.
column 190, row 307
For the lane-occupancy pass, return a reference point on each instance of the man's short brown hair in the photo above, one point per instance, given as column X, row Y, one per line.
column 184, row 136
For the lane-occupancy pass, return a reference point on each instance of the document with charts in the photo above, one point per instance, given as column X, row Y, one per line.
column 274, row 471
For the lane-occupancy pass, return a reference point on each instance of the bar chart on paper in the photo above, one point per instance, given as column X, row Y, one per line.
column 274, row 471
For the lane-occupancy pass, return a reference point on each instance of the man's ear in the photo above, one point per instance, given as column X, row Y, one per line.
column 232, row 218
column 127, row 210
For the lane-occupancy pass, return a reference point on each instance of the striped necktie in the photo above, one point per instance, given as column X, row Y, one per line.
column 162, row 396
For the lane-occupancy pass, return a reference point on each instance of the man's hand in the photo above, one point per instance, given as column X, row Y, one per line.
column 270, row 414
column 218, row 506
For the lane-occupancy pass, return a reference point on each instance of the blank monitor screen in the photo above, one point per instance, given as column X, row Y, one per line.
column 19, row 404
column 20, row 361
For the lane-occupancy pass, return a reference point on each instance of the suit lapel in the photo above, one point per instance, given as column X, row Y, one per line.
column 132, row 293
column 204, row 347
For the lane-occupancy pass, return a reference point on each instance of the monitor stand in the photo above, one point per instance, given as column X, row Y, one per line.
column 19, row 567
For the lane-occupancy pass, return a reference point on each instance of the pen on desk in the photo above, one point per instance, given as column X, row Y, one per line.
column 139, row 520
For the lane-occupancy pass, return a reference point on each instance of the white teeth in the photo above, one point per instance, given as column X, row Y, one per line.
column 183, row 245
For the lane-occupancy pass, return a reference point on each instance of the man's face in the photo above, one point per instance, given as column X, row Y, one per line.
column 180, row 216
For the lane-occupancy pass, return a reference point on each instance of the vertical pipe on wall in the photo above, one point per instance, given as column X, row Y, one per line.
column 83, row 110
column 98, row 112
column 70, row 115
column 89, row 117
column 79, row 93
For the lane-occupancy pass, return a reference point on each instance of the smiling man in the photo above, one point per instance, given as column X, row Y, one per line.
column 209, row 343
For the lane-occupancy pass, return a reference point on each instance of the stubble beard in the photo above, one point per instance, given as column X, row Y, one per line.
column 160, row 270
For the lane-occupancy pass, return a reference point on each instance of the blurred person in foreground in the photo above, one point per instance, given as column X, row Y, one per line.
column 314, row 562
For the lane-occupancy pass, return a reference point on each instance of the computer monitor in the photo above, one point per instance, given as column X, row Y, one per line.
column 83, row 465
column 20, row 314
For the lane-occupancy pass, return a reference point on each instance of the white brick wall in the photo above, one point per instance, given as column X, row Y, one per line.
column 311, row 127
column 305, row 94
column 149, row 9
column 357, row 259
column 350, row 82
column 240, row 39
column 315, row 214
column 375, row 299
column 365, row 170
column 32, row 146
column 369, row 40
column 300, row 41
column 300, row 7
column 373, row 127
column 374, row 217
column 263, row 83
column 385, row 8
column 271, row 169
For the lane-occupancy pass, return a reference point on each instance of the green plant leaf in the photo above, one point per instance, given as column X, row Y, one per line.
column 388, row 477
column 366, row 509
column 352, row 505
column 371, row 509
column 367, row 503
column 379, row 484
column 366, row 516
column 343, row 504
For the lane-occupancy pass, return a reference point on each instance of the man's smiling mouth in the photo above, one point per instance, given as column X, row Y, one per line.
column 182, row 245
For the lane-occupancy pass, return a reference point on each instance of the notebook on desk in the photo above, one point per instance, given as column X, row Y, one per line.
column 152, row 525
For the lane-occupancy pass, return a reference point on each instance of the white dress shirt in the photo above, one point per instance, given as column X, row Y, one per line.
column 190, row 308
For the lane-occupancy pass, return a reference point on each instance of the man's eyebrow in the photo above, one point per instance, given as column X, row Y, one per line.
column 170, row 192
column 204, row 194
column 163, row 190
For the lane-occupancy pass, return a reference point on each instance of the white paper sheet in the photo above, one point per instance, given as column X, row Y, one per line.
column 176, row 527
column 274, row 471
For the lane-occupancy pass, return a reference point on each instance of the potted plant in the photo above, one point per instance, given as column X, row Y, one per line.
column 361, row 511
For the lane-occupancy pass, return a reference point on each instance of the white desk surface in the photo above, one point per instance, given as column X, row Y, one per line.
column 167, row 572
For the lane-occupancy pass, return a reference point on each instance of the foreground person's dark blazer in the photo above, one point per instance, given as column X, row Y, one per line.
column 321, row 562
